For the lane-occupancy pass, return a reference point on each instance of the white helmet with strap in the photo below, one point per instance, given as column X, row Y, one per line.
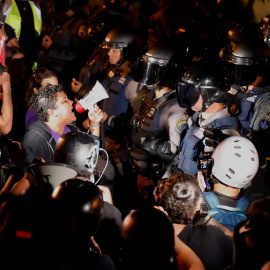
column 235, row 162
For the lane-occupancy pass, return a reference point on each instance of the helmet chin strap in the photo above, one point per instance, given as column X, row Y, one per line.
column 118, row 64
column 209, row 100
column 205, row 106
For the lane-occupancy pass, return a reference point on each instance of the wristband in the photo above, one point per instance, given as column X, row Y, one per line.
column 93, row 127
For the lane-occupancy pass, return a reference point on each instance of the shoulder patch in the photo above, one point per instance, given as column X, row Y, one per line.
column 181, row 123
column 267, row 113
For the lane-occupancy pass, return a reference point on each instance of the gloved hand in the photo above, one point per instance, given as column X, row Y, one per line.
column 157, row 147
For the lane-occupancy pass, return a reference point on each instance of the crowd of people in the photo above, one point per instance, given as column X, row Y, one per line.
column 152, row 174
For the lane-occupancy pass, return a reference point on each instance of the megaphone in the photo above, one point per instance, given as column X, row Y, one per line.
column 50, row 175
column 97, row 94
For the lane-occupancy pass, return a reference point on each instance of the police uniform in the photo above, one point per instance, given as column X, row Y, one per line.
column 157, row 123
column 193, row 144
column 157, row 120
column 116, row 83
column 253, row 110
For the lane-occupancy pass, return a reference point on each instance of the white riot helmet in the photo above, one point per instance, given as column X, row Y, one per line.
column 235, row 162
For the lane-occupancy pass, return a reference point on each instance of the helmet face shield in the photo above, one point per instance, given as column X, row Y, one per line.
column 241, row 74
column 149, row 70
column 187, row 94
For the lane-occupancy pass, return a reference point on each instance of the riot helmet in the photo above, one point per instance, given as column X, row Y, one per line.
column 86, row 201
column 150, row 68
column 265, row 28
column 206, row 78
column 117, row 38
column 78, row 150
column 233, row 33
column 140, row 244
column 245, row 60
column 124, row 39
column 235, row 162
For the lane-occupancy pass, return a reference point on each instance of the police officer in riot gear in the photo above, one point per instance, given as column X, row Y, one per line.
column 124, row 46
column 249, row 96
column 157, row 118
column 202, row 88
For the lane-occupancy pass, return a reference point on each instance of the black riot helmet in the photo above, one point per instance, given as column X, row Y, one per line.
column 140, row 244
column 124, row 39
column 208, row 79
column 265, row 28
column 246, row 59
column 231, row 34
column 78, row 150
column 85, row 199
column 151, row 67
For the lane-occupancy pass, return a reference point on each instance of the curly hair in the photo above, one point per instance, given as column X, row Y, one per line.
column 44, row 100
column 38, row 76
column 179, row 197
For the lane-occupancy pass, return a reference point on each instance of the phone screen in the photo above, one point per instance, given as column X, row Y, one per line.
column 203, row 163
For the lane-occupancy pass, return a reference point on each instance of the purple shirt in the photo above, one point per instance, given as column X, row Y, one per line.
column 30, row 117
column 56, row 136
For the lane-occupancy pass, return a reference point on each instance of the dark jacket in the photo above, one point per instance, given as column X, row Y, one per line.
column 39, row 142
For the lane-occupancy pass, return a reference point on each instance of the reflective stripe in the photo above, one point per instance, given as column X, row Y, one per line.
column 37, row 17
column 14, row 18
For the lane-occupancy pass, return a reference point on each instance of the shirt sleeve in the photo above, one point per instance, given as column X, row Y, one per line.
column 261, row 116
column 132, row 89
column 10, row 32
column 176, row 118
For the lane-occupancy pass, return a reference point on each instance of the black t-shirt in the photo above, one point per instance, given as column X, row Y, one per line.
column 10, row 32
column 27, row 39
column 108, row 234
column 212, row 246
column 226, row 200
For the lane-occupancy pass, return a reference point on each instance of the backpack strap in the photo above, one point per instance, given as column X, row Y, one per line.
column 243, row 203
column 211, row 199
column 228, row 208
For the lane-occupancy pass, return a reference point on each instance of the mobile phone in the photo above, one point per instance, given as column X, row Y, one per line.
column 203, row 163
